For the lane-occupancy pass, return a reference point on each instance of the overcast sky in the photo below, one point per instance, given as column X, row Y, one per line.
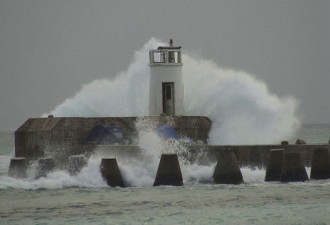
column 49, row 49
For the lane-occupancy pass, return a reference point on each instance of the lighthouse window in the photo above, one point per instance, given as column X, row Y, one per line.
column 168, row 92
column 158, row 57
column 168, row 98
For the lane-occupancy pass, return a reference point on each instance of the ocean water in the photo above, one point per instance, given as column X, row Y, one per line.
column 242, row 110
column 86, row 199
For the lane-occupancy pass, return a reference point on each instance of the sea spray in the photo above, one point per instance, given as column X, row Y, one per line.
column 196, row 173
column 142, row 171
column 242, row 109
column 127, row 94
column 253, row 175
column 89, row 176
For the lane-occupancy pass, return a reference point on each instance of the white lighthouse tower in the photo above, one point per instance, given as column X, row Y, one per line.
column 166, row 85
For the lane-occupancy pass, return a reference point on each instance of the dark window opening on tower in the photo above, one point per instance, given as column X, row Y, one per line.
column 168, row 98
column 168, row 92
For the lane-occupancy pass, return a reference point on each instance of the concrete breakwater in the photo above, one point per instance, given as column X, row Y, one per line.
column 63, row 142
column 254, row 156
column 246, row 155
column 65, row 136
column 61, row 137
column 286, row 168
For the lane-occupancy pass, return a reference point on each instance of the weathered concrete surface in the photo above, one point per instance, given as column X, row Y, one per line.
column 320, row 164
column 18, row 167
column 169, row 171
column 258, row 155
column 41, row 137
column 60, row 137
column 293, row 169
column 111, row 173
column 274, row 167
column 227, row 169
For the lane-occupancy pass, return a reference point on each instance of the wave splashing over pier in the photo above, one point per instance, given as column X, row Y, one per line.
column 242, row 109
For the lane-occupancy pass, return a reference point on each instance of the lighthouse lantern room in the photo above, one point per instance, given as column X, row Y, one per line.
column 166, row 85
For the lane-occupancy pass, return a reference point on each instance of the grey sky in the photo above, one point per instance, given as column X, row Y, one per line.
column 49, row 49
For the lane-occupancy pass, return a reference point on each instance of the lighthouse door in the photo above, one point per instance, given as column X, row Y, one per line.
column 168, row 98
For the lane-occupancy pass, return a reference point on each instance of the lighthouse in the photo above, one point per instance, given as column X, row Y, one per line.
column 166, row 85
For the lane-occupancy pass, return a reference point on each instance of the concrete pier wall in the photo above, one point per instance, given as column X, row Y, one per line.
column 258, row 155
column 246, row 155
column 64, row 136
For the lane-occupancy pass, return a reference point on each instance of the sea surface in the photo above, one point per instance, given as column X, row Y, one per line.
column 86, row 199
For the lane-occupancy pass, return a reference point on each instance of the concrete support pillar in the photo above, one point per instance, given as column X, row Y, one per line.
column 169, row 171
column 111, row 173
column 274, row 166
column 293, row 169
column 45, row 165
column 76, row 163
column 320, row 164
column 227, row 170
column 18, row 167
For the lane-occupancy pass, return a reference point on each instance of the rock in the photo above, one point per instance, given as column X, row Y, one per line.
column 300, row 142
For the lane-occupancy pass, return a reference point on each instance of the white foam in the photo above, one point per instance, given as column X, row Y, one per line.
column 138, row 173
column 89, row 176
column 253, row 175
column 198, row 173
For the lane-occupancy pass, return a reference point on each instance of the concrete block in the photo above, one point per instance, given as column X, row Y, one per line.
column 320, row 164
column 293, row 169
column 18, row 167
column 111, row 173
column 45, row 165
column 274, row 166
column 76, row 163
column 227, row 170
column 169, row 171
